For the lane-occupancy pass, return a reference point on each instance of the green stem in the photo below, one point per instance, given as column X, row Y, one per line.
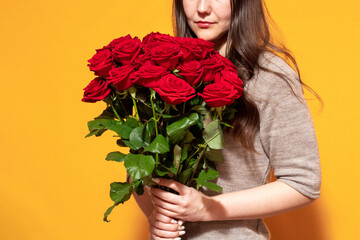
column 184, row 108
column 136, row 111
column 156, row 129
column 117, row 115
column 188, row 159
column 153, row 110
column 196, row 164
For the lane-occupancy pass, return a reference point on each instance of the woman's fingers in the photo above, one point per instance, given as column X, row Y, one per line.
column 155, row 232
column 180, row 188
column 167, row 196
column 166, row 212
column 168, row 227
column 161, row 203
column 163, row 218
column 162, row 227
column 160, row 238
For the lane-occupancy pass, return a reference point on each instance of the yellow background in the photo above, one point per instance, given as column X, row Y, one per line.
column 54, row 183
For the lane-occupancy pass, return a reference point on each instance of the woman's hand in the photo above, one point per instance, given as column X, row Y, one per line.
column 191, row 205
column 162, row 227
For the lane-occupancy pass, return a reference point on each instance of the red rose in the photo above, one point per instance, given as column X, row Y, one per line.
column 127, row 50
column 194, row 48
column 230, row 76
column 174, row 90
column 148, row 75
column 219, row 94
column 96, row 90
column 229, row 64
column 154, row 39
column 212, row 67
column 142, row 59
column 120, row 77
column 224, row 61
column 116, row 41
column 191, row 71
column 166, row 55
column 101, row 63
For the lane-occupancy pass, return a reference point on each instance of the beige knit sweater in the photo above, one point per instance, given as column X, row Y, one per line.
column 286, row 142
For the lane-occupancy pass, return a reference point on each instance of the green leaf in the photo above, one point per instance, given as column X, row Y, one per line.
column 188, row 138
column 120, row 192
column 116, row 156
column 212, row 186
column 94, row 125
column 167, row 116
column 177, row 157
column 200, row 109
column 185, row 175
column 171, row 169
column 146, row 136
column 131, row 122
column 184, row 154
column 206, row 176
column 159, row 105
column 150, row 126
column 136, row 137
column 95, row 129
column 108, row 211
column 214, row 155
column 195, row 100
column 121, row 129
column 197, row 129
column 194, row 118
column 160, row 171
column 128, row 144
column 138, row 165
column 159, row 145
column 192, row 161
column 96, row 132
column 107, row 113
column 178, row 129
column 228, row 113
column 213, row 135
column 120, row 143
column 138, row 187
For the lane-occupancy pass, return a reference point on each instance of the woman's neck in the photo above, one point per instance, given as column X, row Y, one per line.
column 220, row 45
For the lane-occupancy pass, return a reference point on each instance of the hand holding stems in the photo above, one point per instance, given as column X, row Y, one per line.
column 162, row 227
column 189, row 205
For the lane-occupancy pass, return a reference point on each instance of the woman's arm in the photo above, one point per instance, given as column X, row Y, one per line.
column 259, row 202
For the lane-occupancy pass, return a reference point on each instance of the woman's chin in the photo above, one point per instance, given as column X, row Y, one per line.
column 206, row 37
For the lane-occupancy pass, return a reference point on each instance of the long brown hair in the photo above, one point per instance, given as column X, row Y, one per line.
column 248, row 37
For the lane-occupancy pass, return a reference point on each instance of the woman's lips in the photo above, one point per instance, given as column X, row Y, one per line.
column 202, row 24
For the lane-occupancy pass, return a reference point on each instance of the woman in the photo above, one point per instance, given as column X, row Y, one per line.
column 273, row 130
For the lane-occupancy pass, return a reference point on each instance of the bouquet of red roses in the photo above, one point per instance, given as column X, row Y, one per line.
column 168, row 99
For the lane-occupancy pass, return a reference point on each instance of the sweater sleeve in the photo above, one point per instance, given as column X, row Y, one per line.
column 286, row 129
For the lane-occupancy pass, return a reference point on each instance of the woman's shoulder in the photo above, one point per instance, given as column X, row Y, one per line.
column 268, row 80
